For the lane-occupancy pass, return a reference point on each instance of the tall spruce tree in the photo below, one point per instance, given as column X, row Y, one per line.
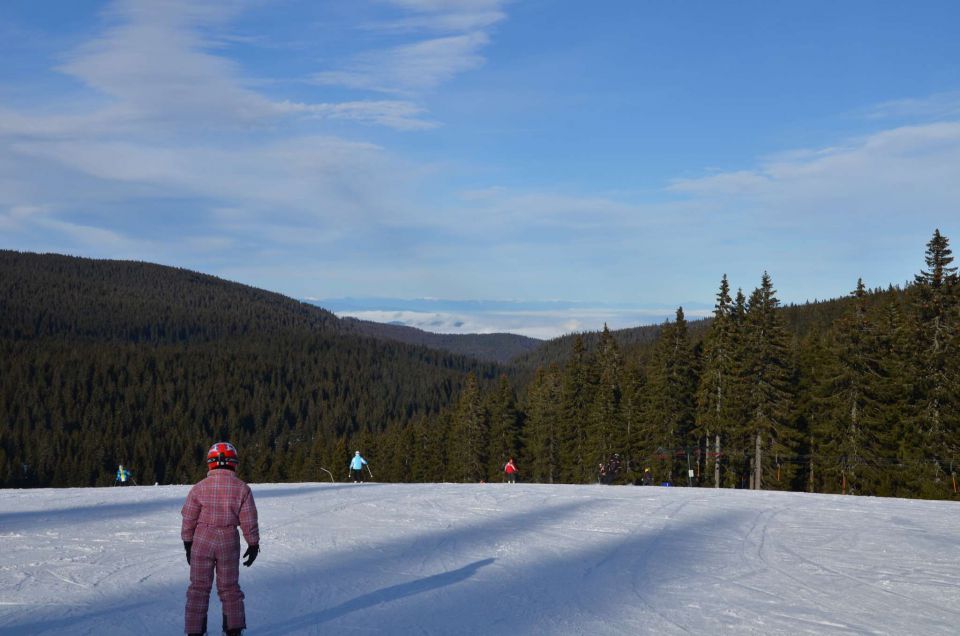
column 605, row 434
column 469, row 435
column 670, row 394
column 897, row 436
column 504, row 429
column 542, row 439
column 850, row 381
column 934, row 303
column 575, row 400
column 632, row 413
column 717, row 391
column 768, row 371
column 736, row 457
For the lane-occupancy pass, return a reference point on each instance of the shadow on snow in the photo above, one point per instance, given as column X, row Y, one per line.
column 597, row 581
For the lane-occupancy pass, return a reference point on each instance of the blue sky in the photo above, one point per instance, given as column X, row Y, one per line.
column 587, row 162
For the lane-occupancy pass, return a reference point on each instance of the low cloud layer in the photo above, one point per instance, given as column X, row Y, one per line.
column 544, row 320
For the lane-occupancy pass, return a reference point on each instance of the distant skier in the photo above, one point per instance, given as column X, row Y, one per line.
column 356, row 467
column 123, row 476
column 614, row 468
column 647, row 477
column 214, row 508
column 610, row 469
column 510, row 470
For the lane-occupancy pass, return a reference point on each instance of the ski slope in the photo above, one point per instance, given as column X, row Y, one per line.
column 492, row 558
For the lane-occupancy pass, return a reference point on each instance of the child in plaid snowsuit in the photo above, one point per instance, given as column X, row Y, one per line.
column 214, row 508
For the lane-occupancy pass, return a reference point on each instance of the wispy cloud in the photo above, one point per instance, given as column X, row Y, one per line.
column 459, row 31
column 411, row 67
column 938, row 106
column 401, row 115
column 444, row 15
column 153, row 71
column 153, row 62
column 164, row 116
column 904, row 171
column 321, row 178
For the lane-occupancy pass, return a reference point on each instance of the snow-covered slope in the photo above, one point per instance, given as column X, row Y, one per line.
column 493, row 558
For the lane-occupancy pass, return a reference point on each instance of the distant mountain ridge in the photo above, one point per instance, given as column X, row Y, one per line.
column 493, row 347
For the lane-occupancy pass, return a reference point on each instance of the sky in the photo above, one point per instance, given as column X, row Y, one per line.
column 614, row 158
column 491, row 558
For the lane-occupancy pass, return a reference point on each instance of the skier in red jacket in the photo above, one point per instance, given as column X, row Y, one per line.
column 510, row 469
column 213, row 510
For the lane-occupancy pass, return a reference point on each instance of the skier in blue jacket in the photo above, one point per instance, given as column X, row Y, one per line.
column 356, row 467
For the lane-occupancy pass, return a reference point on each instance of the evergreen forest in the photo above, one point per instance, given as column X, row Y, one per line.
column 116, row 362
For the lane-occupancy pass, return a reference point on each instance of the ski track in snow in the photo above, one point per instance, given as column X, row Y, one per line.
column 440, row 559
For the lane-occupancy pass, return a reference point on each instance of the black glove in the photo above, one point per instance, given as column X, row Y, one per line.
column 186, row 546
column 251, row 554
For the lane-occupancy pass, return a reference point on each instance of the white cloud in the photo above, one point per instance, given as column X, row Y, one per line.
column 400, row 115
column 534, row 324
column 16, row 217
column 152, row 70
column 937, row 106
column 444, row 15
column 449, row 22
column 425, row 64
column 903, row 171
column 90, row 237
column 412, row 67
column 172, row 120
column 321, row 178
column 154, row 62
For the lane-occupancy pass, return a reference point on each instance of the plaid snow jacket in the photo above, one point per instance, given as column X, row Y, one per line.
column 222, row 500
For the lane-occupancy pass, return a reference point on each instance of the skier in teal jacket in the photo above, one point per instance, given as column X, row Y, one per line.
column 356, row 467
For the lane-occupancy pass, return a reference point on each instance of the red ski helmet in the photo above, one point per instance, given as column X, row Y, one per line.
column 222, row 455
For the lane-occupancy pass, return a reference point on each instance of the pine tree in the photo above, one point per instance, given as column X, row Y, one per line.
column 632, row 412
column 670, row 394
column 850, row 380
column 541, row 433
column 504, row 429
column 768, row 371
column 934, row 416
column 717, row 392
column 575, row 399
column 605, row 434
column 469, row 435
column 897, row 437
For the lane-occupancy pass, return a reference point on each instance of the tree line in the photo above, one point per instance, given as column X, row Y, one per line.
column 854, row 395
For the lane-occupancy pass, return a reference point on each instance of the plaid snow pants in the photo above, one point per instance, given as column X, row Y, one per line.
column 214, row 549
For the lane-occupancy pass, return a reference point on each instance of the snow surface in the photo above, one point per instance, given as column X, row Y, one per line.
column 492, row 558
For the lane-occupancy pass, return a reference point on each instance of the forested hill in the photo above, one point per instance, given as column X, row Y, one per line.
column 492, row 347
column 107, row 362
column 50, row 295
